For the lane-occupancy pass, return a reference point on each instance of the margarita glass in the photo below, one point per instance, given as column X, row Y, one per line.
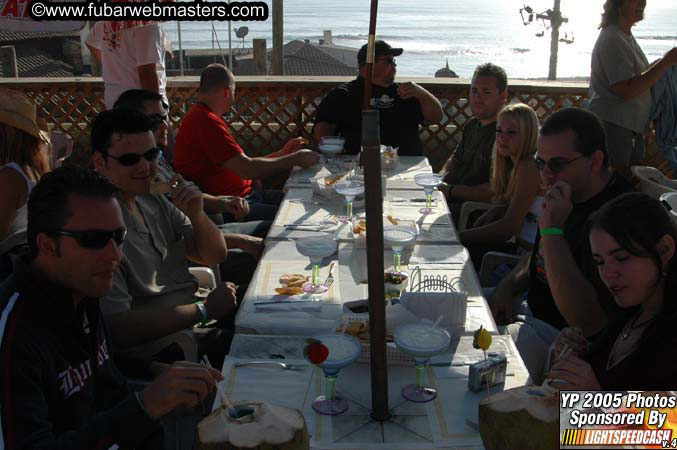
column 316, row 248
column 349, row 189
column 428, row 181
column 420, row 341
column 398, row 238
column 331, row 146
column 343, row 351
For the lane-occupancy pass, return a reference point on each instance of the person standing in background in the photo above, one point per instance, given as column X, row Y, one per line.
column 620, row 81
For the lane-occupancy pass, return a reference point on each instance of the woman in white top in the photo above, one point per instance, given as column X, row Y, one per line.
column 23, row 160
column 621, row 79
column 514, row 181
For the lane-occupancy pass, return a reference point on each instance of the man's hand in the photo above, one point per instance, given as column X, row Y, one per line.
column 444, row 188
column 250, row 244
column 181, row 384
column 186, row 196
column 501, row 304
column 671, row 56
column 306, row 158
column 237, row 206
column 556, row 205
column 293, row 145
column 410, row 90
column 221, row 301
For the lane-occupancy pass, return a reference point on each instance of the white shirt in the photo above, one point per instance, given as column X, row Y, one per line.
column 123, row 52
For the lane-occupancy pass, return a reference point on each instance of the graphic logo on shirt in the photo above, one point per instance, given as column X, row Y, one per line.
column 383, row 102
column 74, row 378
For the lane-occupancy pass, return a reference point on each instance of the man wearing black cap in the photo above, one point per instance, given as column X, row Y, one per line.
column 402, row 107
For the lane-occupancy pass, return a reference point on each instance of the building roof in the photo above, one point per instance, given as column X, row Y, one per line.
column 32, row 62
column 302, row 58
column 16, row 36
column 348, row 55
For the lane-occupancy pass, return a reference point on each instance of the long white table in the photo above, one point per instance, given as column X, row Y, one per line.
column 278, row 331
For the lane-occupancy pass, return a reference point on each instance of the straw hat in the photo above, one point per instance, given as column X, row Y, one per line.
column 17, row 111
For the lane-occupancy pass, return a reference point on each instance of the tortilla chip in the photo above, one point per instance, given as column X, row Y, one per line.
column 392, row 220
column 293, row 280
column 289, row 290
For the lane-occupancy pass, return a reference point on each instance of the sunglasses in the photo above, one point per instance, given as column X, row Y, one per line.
column 556, row 165
column 389, row 60
column 95, row 239
column 131, row 159
column 158, row 118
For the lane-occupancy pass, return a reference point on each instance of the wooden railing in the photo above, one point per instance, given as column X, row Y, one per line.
column 270, row 110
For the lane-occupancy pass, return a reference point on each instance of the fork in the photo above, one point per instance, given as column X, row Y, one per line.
column 283, row 365
column 330, row 278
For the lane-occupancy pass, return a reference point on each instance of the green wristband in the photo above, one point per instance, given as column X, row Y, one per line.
column 552, row 231
column 203, row 312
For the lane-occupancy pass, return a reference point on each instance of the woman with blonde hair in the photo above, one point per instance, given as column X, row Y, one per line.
column 24, row 158
column 514, row 182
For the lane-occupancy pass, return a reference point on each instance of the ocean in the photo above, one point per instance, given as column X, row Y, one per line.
column 464, row 33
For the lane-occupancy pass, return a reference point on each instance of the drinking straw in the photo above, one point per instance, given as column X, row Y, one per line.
column 224, row 398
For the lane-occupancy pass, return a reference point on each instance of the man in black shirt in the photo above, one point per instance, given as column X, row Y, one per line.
column 402, row 107
column 60, row 386
column 558, row 275
column 468, row 170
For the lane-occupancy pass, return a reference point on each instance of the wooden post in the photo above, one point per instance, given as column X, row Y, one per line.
column 260, row 57
column 554, row 40
column 278, row 38
column 8, row 62
column 371, row 157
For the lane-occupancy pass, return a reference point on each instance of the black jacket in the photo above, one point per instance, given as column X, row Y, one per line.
column 59, row 386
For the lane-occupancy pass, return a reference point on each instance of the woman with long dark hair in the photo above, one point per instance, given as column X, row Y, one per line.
column 633, row 245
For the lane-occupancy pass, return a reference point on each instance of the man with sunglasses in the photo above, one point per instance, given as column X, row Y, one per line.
column 558, row 275
column 60, row 385
column 244, row 239
column 402, row 107
column 152, row 304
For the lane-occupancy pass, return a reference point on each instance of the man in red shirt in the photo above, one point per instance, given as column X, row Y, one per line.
column 207, row 153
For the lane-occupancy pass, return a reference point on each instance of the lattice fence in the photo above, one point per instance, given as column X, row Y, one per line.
column 269, row 111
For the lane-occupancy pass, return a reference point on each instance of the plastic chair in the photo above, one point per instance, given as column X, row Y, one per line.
column 470, row 208
column 652, row 181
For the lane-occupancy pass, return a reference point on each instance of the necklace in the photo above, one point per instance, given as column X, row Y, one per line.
column 633, row 326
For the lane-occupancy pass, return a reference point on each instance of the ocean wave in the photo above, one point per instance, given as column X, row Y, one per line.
column 362, row 37
column 656, row 38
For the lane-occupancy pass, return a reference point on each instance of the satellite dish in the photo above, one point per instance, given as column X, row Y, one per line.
column 241, row 32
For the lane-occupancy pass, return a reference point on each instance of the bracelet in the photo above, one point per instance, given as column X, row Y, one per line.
column 552, row 231
column 203, row 312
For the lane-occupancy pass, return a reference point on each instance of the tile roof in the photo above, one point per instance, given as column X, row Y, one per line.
column 302, row 58
column 15, row 36
column 33, row 62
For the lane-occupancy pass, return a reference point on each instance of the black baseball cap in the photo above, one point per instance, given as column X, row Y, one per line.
column 381, row 48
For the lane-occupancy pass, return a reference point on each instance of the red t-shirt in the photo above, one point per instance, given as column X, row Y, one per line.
column 202, row 146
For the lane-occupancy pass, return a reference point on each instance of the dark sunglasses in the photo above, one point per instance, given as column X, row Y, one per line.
column 157, row 118
column 556, row 165
column 95, row 239
column 131, row 159
column 389, row 60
